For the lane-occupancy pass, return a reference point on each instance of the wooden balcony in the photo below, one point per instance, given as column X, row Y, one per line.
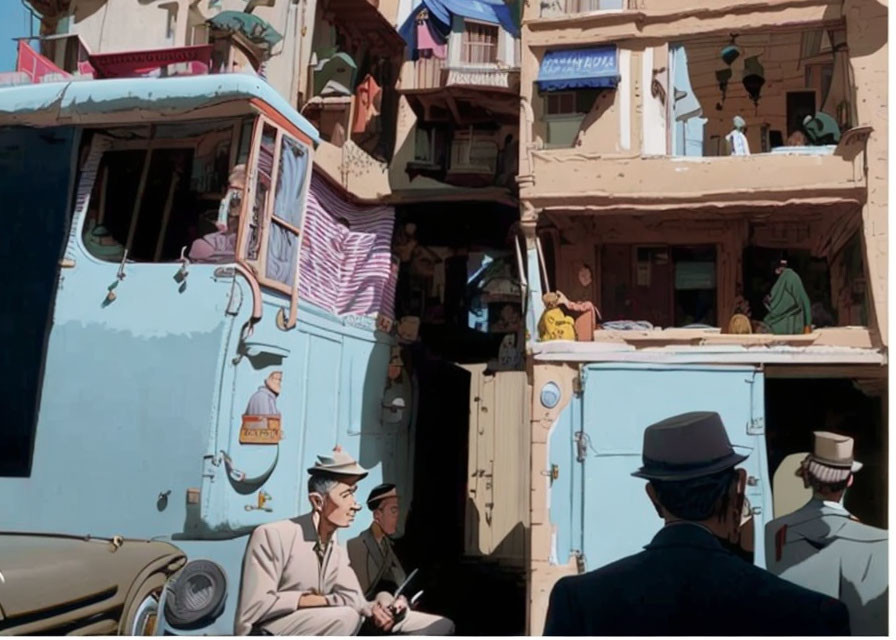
column 432, row 74
column 424, row 74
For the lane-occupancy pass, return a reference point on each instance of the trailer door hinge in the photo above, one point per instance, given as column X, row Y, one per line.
column 756, row 427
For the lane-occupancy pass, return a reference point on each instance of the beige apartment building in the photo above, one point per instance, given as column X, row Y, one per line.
column 628, row 167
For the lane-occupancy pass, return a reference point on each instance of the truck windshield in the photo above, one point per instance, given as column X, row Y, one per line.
column 160, row 189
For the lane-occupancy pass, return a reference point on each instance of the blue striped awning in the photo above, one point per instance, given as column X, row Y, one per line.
column 592, row 68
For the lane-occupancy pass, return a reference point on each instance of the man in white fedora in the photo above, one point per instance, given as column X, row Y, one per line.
column 823, row 547
column 296, row 578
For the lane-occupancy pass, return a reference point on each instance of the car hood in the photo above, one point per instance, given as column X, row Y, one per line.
column 42, row 574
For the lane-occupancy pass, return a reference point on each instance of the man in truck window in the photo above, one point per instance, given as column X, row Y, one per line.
column 823, row 547
column 379, row 571
column 687, row 581
column 296, row 578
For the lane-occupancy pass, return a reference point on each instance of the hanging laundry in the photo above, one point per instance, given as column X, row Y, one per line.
column 365, row 103
column 429, row 40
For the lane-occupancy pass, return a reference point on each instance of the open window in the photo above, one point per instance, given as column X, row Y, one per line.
column 161, row 189
column 271, row 222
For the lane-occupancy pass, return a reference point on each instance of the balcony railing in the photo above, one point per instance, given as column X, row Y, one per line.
column 427, row 74
column 423, row 74
column 555, row 8
column 477, row 75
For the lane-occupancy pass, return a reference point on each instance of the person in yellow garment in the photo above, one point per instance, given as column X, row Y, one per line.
column 296, row 578
column 554, row 324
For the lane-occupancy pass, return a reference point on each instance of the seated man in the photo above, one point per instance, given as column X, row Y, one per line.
column 220, row 245
column 296, row 578
column 379, row 571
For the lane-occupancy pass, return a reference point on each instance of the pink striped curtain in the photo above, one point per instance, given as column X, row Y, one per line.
column 345, row 262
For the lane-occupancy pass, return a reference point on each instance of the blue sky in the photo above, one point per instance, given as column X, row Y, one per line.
column 13, row 24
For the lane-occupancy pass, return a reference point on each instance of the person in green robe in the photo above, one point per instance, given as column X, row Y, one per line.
column 789, row 309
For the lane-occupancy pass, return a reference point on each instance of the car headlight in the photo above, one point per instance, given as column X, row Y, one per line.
column 196, row 595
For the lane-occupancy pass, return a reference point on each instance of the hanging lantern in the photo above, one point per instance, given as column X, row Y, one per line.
column 722, row 76
column 754, row 78
column 730, row 52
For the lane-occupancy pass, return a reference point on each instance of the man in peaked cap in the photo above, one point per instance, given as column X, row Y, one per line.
column 296, row 578
column 379, row 571
column 686, row 582
column 823, row 547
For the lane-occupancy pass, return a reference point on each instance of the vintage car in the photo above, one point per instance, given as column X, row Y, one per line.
column 63, row 585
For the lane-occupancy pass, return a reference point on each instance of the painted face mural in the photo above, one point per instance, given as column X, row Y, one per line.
column 261, row 420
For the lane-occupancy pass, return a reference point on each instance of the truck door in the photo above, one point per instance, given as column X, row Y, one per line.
column 619, row 401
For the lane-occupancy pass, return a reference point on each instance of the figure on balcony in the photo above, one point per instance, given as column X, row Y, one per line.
column 737, row 139
column 554, row 324
column 789, row 308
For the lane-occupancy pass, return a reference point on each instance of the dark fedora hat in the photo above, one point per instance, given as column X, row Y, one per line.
column 686, row 446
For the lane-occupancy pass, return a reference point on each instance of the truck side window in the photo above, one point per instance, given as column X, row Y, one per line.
column 164, row 188
column 282, row 255
column 264, row 171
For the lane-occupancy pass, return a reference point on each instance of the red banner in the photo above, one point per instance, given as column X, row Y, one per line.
column 35, row 65
column 191, row 60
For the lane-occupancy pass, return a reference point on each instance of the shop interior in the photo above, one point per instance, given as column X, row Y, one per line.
column 697, row 271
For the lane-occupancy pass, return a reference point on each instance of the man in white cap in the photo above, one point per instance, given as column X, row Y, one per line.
column 823, row 547
column 379, row 571
column 296, row 578
column 687, row 581
column 737, row 139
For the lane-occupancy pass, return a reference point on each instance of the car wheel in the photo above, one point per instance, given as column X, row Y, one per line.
column 142, row 612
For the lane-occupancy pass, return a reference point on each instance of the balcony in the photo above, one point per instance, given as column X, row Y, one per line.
column 575, row 178
column 424, row 74
column 433, row 74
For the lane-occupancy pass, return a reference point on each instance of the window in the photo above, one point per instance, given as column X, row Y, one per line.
column 160, row 191
column 584, row 6
column 480, row 43
column 472, row 151
column 274, row 222
column 282, row 255
column 561, row 103
column 564, row 113
column 429, row 145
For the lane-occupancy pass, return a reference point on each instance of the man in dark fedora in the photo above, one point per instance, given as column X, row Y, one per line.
column 686, row 582
column 823, row 547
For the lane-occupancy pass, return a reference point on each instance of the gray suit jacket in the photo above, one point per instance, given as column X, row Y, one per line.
column 370, row 563
column 822, row 547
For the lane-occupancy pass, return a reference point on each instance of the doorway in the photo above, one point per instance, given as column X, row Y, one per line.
column 799, row 105
column 795, row 407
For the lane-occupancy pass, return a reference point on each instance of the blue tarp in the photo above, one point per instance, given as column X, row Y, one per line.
column 441, row 11
column 595, row 68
